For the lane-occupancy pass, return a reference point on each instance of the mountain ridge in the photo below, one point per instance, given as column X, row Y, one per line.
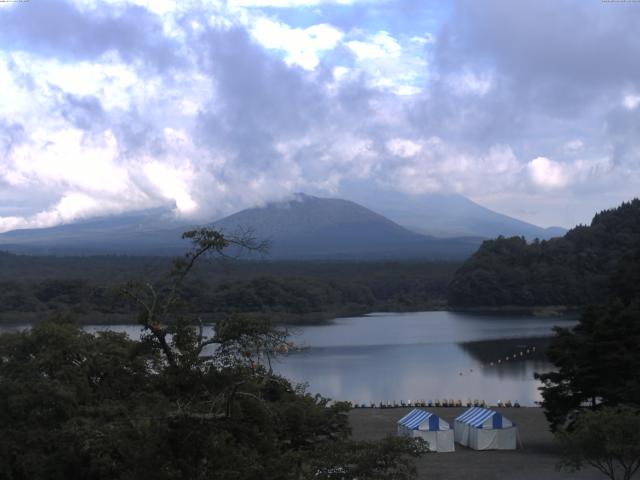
column 447, row 215
column 300, row 227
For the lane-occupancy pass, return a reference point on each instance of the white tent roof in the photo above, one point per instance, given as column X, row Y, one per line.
column 418, row 419
column 479, row 417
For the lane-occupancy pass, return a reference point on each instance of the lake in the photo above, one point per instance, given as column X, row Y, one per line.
column 424, row 355
column 418, row 356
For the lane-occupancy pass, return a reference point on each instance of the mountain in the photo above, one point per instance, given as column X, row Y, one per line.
column 447, row 215
column 316, row 228
column 153, row 231
column 570, row 270
column 304, row 227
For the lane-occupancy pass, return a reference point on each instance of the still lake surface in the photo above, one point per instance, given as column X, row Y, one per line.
column 417, row 356
column 424, row 356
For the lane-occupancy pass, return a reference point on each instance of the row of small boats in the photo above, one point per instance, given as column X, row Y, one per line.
column 432, row 403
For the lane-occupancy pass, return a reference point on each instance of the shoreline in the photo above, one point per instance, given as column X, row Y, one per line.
column 293, row 319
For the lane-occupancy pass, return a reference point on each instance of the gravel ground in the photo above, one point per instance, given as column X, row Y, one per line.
column 535, row 460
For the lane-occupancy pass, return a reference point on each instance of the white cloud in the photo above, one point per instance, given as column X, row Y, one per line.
column 397, row 65
column 173, row 184
column 630, row 102
column 67, row 158
column 380, row 45
column 303, row 45
column 71, row 207
column 546, row 173
column 403, row 147
column 291, row 3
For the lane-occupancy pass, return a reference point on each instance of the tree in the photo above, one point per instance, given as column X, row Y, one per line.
column 597, row 361
column 571, row 270
column 607, row 439
column 176, row 404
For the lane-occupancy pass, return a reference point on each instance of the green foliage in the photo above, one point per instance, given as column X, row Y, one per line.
column 174, row 405
column 388, row 459
column 76, row 405
column 607, row 439
column 598, row 360
column 572, row 270
column 291, row 292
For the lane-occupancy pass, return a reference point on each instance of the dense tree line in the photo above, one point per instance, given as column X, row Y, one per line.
column 571, row 270
column 287, row 291
column 598, row 360
column 592, row 398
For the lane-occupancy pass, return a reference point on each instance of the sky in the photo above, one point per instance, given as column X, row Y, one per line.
column 529, row 108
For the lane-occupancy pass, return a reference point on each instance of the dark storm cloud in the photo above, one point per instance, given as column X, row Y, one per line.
column 61, row 30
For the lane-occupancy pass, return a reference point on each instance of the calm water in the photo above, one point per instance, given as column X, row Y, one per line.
column 423, row 355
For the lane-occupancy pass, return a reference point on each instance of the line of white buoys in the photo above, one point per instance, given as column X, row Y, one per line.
column 510, row 357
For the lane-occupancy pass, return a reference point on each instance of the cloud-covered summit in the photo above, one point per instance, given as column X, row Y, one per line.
column 533, row 110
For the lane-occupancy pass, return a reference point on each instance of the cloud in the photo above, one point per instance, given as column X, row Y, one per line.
column 214, row 106
column 379, row 45
column 62, row 30
column 547, row 173
column 302, row 45
column 630, row 102
column 292, row 3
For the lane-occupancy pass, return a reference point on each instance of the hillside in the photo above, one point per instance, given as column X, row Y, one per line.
column 448, row 215
column 303, row 228
column 570, row 270
column 309, row 227
column 149, row 232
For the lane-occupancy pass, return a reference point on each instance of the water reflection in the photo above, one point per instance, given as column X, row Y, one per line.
column 423, row 355
column 426, row 355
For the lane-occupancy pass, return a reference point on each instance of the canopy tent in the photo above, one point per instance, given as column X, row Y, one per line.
column 430, row 427
column 483, row 429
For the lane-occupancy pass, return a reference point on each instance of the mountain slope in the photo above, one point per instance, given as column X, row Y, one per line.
column 448, row 215
column 302, row 228
column 570, row 270
column 313, row 228
column 150, row 232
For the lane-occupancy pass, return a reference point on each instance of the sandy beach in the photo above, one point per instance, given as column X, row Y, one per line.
column 535, row 460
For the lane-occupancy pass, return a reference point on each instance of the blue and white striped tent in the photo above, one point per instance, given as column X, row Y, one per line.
column 484, row 429
column 430, row 427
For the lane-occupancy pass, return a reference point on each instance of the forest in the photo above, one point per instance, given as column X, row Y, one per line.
column 174, row 404
column 34, row 287
column 572, row 270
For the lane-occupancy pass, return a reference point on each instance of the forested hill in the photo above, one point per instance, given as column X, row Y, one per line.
column 569, row 270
